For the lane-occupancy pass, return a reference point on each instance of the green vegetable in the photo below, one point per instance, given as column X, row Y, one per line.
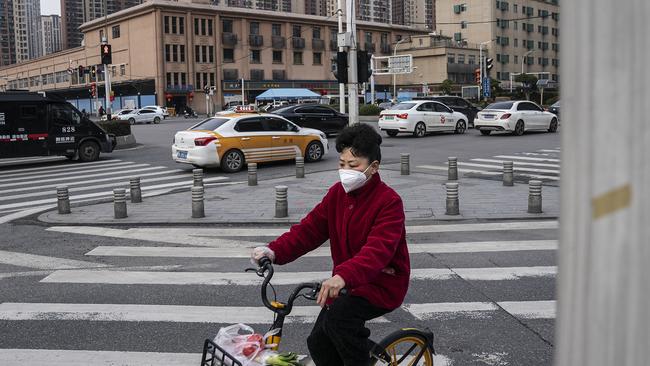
column 283, row 359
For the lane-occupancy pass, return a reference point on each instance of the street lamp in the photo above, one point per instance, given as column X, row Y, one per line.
column 523, row 58
column 395, row 75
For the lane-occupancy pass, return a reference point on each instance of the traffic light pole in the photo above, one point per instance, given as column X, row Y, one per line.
column 107, row 78
column 353, row 87
column 341, row 49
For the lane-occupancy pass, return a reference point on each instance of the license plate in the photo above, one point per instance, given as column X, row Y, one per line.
column 181, row 154
column 388, row 118
column 488, row 116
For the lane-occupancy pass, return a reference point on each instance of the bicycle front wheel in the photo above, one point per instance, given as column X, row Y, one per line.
column 405, row 347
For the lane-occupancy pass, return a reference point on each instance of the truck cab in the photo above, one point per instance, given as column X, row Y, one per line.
column 32, row 124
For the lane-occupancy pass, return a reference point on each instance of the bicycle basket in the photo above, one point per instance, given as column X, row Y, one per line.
column 213, row 355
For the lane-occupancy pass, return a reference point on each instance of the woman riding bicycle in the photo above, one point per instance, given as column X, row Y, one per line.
column 363, row 219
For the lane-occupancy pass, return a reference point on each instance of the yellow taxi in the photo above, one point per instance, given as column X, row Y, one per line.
column 231, row 140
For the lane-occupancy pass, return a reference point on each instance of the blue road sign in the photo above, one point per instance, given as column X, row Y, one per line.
column 486, row 87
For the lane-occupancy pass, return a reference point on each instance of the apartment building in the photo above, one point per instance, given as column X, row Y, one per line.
column 27, row 29
column 169, row 52
column 518, row 34
column 7, row 36
column 51, row 25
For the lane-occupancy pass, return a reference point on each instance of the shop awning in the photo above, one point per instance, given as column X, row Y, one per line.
column 287, row 93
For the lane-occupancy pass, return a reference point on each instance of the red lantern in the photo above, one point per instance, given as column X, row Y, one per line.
column 169, row 97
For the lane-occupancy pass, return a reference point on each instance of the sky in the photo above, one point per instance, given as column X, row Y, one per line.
column 49, row 7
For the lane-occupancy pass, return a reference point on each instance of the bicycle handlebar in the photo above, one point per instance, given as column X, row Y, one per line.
column 266, row 270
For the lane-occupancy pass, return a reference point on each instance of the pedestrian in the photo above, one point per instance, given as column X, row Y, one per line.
column 101, row 110
column 364, row 221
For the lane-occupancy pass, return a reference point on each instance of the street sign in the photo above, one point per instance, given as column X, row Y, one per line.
column 391, row 65
column 486, row 87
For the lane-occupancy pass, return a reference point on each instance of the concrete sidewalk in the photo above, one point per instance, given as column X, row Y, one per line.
column 423, row 195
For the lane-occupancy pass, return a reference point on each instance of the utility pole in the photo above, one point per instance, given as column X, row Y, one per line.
column 372, row 79
column 353, row 86
column 107, row 74
column 341, row 49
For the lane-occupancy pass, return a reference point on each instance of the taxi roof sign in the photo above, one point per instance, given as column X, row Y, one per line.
column 245, row 109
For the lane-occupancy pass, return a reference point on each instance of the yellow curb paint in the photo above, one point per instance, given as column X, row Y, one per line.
column 610, row 202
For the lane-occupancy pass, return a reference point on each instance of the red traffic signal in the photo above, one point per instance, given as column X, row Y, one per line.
column 107, row 54
column 93, row 89
column 477, row 76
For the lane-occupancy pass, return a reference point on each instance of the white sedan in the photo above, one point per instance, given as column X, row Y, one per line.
column 142, row 116
column 516, row 117
column 158, row 109
column 420, row 117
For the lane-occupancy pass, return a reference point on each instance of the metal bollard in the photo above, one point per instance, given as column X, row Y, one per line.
column 252, row 174
column 136, row 191
column 452, row 206
column 119, row 203
column 198, row 177
column 198, row 206
column 535, row 196
column 452, row 173
column 508, row 173
column 300, row 167
column 281, row 202
column 405, row 164
column 63, row 200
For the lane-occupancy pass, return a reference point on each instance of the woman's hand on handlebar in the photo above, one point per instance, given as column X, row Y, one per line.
column 330, row 288
column 261, row 252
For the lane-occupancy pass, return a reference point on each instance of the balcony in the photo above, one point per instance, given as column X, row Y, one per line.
column 228, row 39
column 278, row 42
column 298, row 43
column 256, row 40
column 318, row 44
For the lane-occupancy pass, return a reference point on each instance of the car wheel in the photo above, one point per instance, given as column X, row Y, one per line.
column 485, row 132
column 232, row 161
column 392, row 133
column 156, row 120
column 519, row 128
column 132, row 121
column 553, row 126
column 88, row 151
column 460, row 127
column 314, row 151
column 420, row 130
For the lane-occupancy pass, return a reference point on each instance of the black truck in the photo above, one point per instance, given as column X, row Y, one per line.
column 33, row 124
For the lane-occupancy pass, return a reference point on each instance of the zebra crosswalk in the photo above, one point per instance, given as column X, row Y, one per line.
column 544, row 164
column 488, row 281
column 32, row 188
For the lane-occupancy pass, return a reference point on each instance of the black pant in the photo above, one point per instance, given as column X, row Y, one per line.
column 339, row 336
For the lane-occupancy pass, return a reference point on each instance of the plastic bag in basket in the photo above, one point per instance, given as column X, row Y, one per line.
column 241, row 342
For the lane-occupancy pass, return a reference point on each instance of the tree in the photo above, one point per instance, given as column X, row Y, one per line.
column 446, row 86
column 528, row 82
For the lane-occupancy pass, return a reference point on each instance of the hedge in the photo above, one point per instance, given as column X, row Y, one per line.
column 369, row 110
column 118, row 128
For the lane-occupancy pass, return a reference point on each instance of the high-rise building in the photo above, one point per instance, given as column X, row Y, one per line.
column 76, row 12
column 51, row 25
column 7, row 36
column 27, row 29
column 520, row 36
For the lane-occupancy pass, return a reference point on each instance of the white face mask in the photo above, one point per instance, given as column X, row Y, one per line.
column 352, row 179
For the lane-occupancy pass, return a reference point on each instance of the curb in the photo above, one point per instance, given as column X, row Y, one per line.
column 125, row 142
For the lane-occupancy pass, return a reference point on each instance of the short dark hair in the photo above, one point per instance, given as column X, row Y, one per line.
column 362, row 140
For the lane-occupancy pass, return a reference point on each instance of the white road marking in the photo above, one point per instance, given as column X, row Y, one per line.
column 75, row 175
column 514, row 157
column 54, row 357
column 280, row 278
column 43, row 262
column 516, row 163
column 38, row 172
column 484, row 172
column 517, row 168
column 75, row 165
column 550, row 151
column 103, row 194
column 154, row 313
column 520, row 309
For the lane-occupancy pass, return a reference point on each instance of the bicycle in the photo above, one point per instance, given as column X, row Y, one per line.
column 406, row 346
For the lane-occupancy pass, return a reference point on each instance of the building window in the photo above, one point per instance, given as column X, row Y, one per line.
column 461, row 59
column 277, row 57
column 196, row 26
column 211, row 54
column 296, row 31
column 168, row 53
column 368, row 37
column 212, row 79
column 256, row 57
column 169, row 79
column 226, row 26
column 166, row 24
column 181, row 25
column 197, row 53
column 174, row 29
column 516, row 59
column 297, row 58
column 182, row 52
column 183, row 79
column 203, row 32
column 175, row 53
column 101, row 36
column 318, row 58
column 451, row 58
column 255, row 28
column 515, row 24
column 204, row 56
column 471, row 60
column 197, row 80
column 514, row 8
column 175, row 79
column 315, row 34
column 205, row 78
column 122, row 70
column 210, row 27
column 516, row 42
column 463, row 24
column 228, row 55
column 276, row 29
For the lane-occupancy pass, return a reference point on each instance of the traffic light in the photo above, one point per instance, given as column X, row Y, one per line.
column 341, row 72
column 112, row 97
column 81, row 71
column 364, row 69
column 93, row 89
column 93, row 71
column 477, row 76
column 107, row 55
column 488, row 65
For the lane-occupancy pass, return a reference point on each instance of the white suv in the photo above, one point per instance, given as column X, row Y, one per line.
column 421, row 116
column 158, row 109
